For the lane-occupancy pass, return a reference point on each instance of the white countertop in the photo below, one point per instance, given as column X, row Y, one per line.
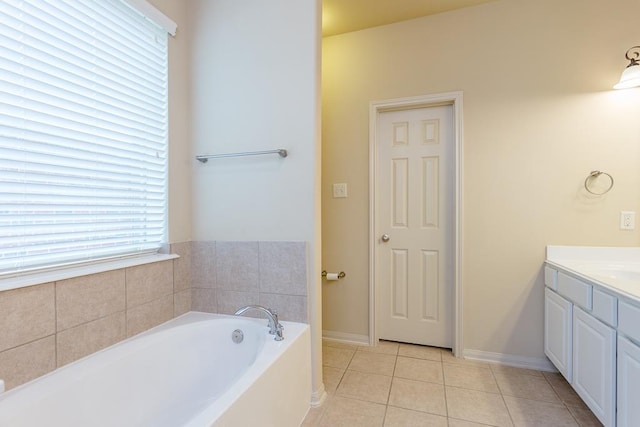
column 614, row 268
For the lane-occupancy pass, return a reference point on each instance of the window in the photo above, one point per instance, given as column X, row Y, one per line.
column 83, row 132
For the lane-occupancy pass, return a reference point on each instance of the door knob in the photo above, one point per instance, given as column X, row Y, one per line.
column 385, row 237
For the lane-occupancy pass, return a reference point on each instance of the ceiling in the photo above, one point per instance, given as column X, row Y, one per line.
column 343, row 16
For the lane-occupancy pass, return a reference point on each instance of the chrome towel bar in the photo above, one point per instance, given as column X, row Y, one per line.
column 280, row 151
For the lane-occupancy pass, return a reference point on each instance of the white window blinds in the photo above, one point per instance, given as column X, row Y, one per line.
column 83, row 133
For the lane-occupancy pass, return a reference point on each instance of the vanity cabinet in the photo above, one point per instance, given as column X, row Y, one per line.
column 558, row 318
column 594, row 365
column 628, row 383
column 580, row 340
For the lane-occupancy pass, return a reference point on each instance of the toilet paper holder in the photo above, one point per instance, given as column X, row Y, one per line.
column 341, row 275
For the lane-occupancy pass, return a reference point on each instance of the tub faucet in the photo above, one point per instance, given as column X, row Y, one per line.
column 275, row 328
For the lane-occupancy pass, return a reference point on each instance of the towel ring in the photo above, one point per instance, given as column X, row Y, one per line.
column 593, row 175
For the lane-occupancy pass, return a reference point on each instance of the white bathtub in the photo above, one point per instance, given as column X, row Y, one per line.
column 186, row 372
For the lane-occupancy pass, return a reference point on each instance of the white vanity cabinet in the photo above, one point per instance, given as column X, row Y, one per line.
column 594, row 365
column 579, row 342
column 558, row 319
column 628, row 383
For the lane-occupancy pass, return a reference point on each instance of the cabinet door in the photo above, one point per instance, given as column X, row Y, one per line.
column 557, row 331
column 594, row 351
column 628, row 383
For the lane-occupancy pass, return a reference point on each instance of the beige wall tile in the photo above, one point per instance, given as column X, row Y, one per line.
column 204, row 299
column 26, row 314
column 181, row 266
column 146, row 316
column 283, row 268
column 230, row 301
column 181, row 302
column 77, row 342
column 289, row 307
column 203, row 264
column 83, row 299
column 237, row 266
column 149, row 282
column 22, row 364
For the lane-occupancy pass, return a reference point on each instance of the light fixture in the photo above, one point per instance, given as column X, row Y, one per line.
column 631, row 75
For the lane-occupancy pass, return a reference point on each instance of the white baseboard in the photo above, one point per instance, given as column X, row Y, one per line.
column 318, row 397
column 346, row 338
column 538, row 364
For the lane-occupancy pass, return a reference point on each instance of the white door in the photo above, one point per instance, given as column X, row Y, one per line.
column 628, row 383
column 414, row 224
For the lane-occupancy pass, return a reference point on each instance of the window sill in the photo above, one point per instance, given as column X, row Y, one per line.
column 38, row 278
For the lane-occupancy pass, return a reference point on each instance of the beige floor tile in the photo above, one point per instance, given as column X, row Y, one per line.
column 526, row 386
column 399, row 417
column 563, row 389
column 503, row 369
column 331, row 378
column 363, row 386
column 418, row 395
column 420, row 352
column 448, row 357
column 336, row 357
column 419, row 370
column 386, row 347
column 462, row 423
column 347, row 412
column 471, row 377
column 477, row 406
column 525, row 412
column 584, row 416
column 313, row 416
column 374, row 363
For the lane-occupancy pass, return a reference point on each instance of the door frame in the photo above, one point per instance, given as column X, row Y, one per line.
column 375, row 108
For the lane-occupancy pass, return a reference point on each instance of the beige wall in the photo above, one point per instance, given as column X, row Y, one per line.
column 180, row 159
column 538, row 116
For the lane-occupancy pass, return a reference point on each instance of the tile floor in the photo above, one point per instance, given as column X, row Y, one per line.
column 406, row 385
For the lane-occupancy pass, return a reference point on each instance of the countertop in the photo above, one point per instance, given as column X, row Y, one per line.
column 616, row 269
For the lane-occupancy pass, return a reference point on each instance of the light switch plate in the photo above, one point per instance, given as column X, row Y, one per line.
column 339, row 190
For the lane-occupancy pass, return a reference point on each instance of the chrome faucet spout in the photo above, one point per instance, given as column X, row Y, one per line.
column 275, row 328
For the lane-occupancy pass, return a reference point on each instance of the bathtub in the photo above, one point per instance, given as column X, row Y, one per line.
column 186, row 372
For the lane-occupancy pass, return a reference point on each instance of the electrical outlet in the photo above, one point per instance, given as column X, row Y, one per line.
column 627, row 220
column 339, row 190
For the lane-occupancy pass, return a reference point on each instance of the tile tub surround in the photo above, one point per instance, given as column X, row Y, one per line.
column 46, row 326
column 403, row 385
column 228, row 275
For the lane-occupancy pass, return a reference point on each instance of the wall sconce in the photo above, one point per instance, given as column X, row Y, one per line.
column 631, row 75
